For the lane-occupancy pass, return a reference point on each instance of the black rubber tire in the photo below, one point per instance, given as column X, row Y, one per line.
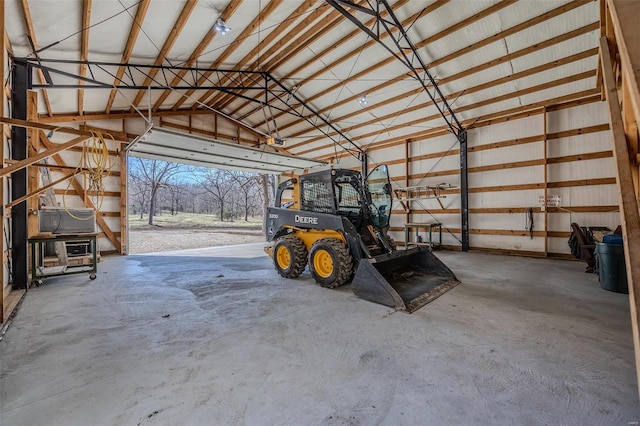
column 297, row 253
column 339, row 271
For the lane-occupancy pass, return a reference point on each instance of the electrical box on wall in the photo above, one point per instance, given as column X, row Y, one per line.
column 58, row 220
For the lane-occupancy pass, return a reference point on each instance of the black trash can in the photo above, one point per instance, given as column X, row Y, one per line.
column 612, row 268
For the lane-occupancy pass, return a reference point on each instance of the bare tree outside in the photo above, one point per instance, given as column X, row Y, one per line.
column 150, row 176
column 248, row 191
column 177, row 206
column 219, row 184
column 266, row 183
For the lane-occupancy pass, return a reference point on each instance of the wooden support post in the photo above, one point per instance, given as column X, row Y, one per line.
column 546, row 181
column 124, row 220
column 622, row 23
column 629, row 215
column 631, row 131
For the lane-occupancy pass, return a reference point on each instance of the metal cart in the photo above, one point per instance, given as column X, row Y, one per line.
column 38, row 270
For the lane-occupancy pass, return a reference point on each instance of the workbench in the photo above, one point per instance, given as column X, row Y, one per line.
column 428, row 227
column 37, row 243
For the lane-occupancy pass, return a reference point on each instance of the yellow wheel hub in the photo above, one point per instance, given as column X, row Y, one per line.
column 283, row 257
column 323, row 264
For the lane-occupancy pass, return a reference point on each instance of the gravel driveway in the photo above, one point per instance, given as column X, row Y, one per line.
column 163, row 239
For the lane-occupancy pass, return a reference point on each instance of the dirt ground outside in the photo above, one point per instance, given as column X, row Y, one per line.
column 166, row 239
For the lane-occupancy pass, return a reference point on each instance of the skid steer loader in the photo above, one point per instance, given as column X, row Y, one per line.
column 337, row 224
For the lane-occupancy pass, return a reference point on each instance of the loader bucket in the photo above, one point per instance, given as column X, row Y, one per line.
column 405, row 279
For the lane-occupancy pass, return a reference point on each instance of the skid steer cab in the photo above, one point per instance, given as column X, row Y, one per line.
column 336, row 223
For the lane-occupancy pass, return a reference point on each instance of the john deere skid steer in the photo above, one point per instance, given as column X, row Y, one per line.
column 338, row 225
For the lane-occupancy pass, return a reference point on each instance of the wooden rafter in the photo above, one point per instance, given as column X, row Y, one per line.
column 467, row 91
column 84, row 49
column 27, row 18
column 128, row 49
column 328, row 50
column 226, row 14
column 246, row 32
column 304, row 37
column 452, row 56
column 517, row 93
column 167, row 46
column 522, row 52
column 389, row 60
column 270, row 38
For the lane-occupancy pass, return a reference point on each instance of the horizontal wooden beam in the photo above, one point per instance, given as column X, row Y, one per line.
column 513, row 210
column 104, row 235
column 217, row 135
column 91, row 193
column 117, row 115
column 583, row 182
column 41, row 126
column 109, row 214
column 40, row 156
column 37, row 191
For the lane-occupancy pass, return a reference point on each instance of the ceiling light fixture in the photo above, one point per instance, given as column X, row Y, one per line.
column 221, row 26
column 363, row 100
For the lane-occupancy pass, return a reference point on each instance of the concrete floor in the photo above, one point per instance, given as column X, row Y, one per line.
column 215, row 337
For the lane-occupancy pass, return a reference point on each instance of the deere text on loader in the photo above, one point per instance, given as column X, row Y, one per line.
column 337, row 224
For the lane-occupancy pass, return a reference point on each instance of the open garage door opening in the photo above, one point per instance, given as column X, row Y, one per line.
column 190, row 192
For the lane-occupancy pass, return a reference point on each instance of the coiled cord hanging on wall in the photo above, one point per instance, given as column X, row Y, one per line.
column 529, row 223
column 96, row 164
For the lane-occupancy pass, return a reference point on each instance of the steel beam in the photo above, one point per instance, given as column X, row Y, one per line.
column 464, row 191
column 401, row 47
column 403, row 50
column 21, row 75
column 253, row 86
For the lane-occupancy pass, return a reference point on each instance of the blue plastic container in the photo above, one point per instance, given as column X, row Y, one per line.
column 612, row 268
